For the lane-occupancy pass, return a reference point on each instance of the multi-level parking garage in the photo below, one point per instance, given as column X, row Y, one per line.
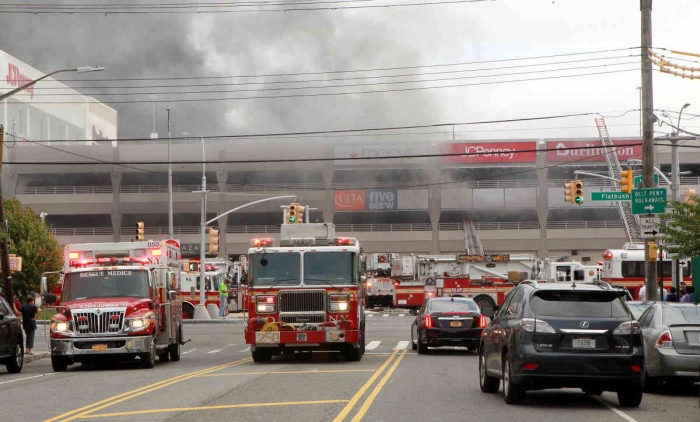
column 400, row 204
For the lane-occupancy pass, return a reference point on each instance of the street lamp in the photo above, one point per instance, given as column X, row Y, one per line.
column 678, row 126
column 171, row 231
column 82, row 69
column 200, row 311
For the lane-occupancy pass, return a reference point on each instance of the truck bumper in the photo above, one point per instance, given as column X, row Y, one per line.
column 302, row 339
column 94, row 347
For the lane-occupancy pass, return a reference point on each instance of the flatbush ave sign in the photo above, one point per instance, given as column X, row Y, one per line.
column 610, row 196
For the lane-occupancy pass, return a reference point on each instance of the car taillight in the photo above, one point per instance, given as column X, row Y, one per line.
column 665, row 340
column 627, row 328
column 481, row 322
column 428, row 321
column 532, row 325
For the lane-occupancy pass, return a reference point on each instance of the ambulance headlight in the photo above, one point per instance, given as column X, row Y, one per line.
column 140, row 323
column 60, row 326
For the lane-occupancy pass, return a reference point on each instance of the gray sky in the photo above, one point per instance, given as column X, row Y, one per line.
column 138, row 46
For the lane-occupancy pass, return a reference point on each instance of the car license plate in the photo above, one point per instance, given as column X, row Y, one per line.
column 455, row 323
column 584, row 343
column 99, row 347
column 301, row 336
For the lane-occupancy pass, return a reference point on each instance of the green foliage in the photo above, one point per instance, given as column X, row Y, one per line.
column 684, row 229
column 31, row 239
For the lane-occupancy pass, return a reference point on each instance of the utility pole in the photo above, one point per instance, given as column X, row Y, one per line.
column 4, row 241
column 648, row 134
column 170, row 181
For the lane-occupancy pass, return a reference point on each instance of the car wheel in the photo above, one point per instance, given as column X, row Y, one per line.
column 630, row 398
column 512, row 393
column 593, row 391
column 261, row 355
column 16, row 360
column 59, row 363
column 487, row 383
column 148, row 360
column 650, row 384
column 174, row 349
column 422, row 348
column 352, row 353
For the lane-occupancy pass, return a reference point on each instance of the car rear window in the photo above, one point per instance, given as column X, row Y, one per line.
column 595, row 304
column 450, row 306
column 681, row 315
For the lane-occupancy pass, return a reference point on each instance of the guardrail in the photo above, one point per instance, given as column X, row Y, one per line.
column 62, row 190
column 164, row 188
column 161, row 231
column 82, row 231
column 591, row 224
column 253, row 229
column 414, row 227
column 488, row 225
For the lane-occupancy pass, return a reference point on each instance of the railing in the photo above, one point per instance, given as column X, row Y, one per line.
column 487, row 225
column 415, row 227
column 253, row 229
column 605, row 224
column 273, row 187
column 164, row 188
column 62, row 190
column 162, row 230
column 82, row 231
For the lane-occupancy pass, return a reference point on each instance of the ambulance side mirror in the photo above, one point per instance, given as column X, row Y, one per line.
column 488, row 311
column 44, row 285
column 49, row 298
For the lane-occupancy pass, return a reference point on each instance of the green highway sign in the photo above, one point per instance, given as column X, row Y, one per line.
column 610, row 196
column 638, row 180
column 649, row 201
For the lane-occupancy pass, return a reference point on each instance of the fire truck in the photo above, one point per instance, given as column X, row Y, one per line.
column 562, row 270
column 305, row 294
column 191, row 285
column 380, row 289
column 626, row 267
column 117, row 300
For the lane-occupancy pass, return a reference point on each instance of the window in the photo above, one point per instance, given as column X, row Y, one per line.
column 506, row 303
column 593, row 304
column 563, row 273
column 4, row 309
column 681, row 315
column 579, row 275
column 646, row 318
column 106, row 283
column 460, row 305
column 637, row 269
column 329, row 268
column 515, row 306
column 279, row 269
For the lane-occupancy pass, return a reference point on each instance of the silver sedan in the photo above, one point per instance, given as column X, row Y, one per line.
column 671, row 341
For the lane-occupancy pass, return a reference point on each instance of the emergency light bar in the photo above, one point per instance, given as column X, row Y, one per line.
column 85, row 262
column 259, row 243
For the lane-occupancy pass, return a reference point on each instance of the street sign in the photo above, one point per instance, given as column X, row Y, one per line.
column 610, row 196
column 648, row 201
column 649, row 226
column 638, row 180
column 15, row 263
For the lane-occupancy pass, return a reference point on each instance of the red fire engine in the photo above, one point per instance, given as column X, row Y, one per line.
column 117, row 300
column 305, row 294
column 191, row 285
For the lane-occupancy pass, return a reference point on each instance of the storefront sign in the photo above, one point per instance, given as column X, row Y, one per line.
column 377, row 155
column 349, row 200
column 16, row 78
column 591, row 151
column 489, row 152
column 381, row 199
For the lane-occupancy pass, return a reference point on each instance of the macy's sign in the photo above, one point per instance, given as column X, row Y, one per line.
column 17, row 78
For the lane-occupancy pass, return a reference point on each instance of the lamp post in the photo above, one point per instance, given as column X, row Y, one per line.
column 170, row 181
column 200, row 311
column 4, row 244
column 675, row 185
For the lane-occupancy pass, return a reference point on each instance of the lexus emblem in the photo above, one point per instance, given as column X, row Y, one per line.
column 584, row 324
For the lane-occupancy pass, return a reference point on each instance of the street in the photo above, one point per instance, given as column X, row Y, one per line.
column 216, row 380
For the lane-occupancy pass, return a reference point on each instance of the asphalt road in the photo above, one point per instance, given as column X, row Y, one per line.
column 216, row 380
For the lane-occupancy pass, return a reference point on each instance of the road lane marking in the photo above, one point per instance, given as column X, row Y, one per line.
column 402, row 314
column 312, row 371
column 75, row 414
column 217, row 407
column 385, row 315
column 246, row 350
column 402, row 345
column 373, row 345
column 215, row 351
column 27, row 378
column 188, row 351
column 617, row 411
column 348, row 407
column 369, row 315
column 368, row 402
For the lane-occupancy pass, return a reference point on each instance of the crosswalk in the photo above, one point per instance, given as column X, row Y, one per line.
column 387, row 315
column 374, row 346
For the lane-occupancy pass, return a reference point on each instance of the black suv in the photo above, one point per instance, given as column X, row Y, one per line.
column 11, row 339
column 561, row 335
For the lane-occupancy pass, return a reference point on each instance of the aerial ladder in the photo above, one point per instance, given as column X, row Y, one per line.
column 630, row 222
column 472, row 243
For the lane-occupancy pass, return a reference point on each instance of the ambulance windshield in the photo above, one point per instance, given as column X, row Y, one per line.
column 321, row 268
column 105, row 283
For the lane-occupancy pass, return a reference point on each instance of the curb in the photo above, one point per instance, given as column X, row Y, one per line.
column 213, row 321
column 36, row 356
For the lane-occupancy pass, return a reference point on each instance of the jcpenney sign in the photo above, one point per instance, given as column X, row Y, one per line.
column 591, row 151
column 489, row 152
column 367, row 199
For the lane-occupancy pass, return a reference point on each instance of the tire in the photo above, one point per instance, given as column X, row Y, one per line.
column 414, row 346
column 59, row 363
column 164, row 357
column 487, row 383
column 261, row 355
column 483, row 300
column 650, row 384
column 16, row 360
column 630, row 398
column 148, row 360
column 422, row 348
column 512, row 393
column 174, row 349
column 187, row 311
column 362, row 339
column 593, row 391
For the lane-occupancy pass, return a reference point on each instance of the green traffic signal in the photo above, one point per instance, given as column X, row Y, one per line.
column 579, row 199
column 292, row 219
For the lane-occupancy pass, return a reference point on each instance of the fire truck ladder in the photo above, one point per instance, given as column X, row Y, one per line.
column 625, row 207
column 472, row 243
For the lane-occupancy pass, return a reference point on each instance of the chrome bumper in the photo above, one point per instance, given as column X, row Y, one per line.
column 79, row 346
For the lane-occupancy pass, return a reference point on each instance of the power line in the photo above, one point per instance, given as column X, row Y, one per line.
column 327, row 94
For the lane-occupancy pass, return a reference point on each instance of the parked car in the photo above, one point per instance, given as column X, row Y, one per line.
column 447, row 321
column 637, row 307
column 671, row 341
column 11, row 339
column 561, row 335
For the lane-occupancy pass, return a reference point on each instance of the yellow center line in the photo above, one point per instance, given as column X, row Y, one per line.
column 368, row 402
column 71, row 415
column 346, row 410
column 289, row 372
column 223, row 406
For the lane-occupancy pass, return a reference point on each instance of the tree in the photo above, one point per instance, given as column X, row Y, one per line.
column 31, row 239
column 683, row 229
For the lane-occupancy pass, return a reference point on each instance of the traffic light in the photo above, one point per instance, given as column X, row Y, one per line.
column 689, row 195
column 295, row 214
column 213, row 240
column 627, row 181
column 653, row 251
column 578, row 192
column 140, row 228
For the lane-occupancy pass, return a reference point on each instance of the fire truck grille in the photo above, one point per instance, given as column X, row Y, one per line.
column 98, row 321
column 302, row 301
column 303, row 319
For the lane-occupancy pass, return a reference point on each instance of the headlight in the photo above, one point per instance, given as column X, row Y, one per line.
column 339, row 302
column 265, row 304
column 60, row 326
column 140, row 323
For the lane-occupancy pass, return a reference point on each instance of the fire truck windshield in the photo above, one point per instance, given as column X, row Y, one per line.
column 329, row 268
column 278, row 269
column 105, row 283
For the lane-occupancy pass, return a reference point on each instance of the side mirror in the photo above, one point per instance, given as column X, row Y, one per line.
column 413, row 311
column 44, row 285
column 171, row 294
column 488, row 311
column 50, row 299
